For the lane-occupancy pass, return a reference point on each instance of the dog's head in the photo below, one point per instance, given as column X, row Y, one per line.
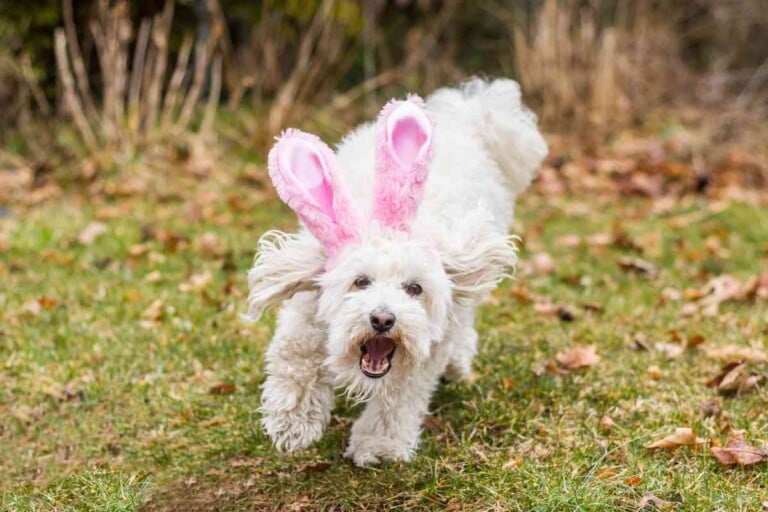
column 386, row 290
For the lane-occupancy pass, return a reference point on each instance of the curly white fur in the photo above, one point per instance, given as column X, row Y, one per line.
column 486, row 151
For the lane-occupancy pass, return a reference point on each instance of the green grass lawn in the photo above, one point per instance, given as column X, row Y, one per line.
column 116, row 359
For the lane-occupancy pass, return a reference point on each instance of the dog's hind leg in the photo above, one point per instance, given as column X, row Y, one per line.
column 297, row 396
column 462, row 342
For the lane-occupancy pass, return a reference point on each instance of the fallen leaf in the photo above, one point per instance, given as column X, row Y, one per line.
column 171, row 241
column 606, row 473
column 593, row 307
column 738, row 451
column 578, row 357
column 671, row 294
column 315, row 466
column 638, row 265
column 196, row 282
column 222, row 388
column 153, row 277
column 545, row 308
column 671, row 350
column 600, row 239
column 209, row 245
column 720, row 289
column 655, row 372
column 137, row 250
column 694, row 341
column 542, row 263
column 568, row 241
column 512, row 464
column 650, row 501
column 565, row 314
column 642, row 185
column 155, row 311
column 711, row 408
column 212, row 422
column 633, row 481
column 724, row 288
column 91, row 232
column 688, row 310
column 683, row 436
column 640, row 342
column 47, row 303
column 734, row 378
column 37, row 306
column 606, row 423
column 245, row 463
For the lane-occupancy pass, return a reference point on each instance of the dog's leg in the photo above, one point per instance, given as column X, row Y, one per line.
column 297, row 396
column 462, row 341
column 389, row 428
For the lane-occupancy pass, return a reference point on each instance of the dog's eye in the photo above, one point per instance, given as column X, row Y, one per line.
column 362, row 282
column 413, row 289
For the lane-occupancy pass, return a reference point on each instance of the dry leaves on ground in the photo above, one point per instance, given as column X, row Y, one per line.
column 91, row 232
column 512, row 464
column 37, row 306
column 155, row 311
column 738, row 451
column 171, row 240
column 711, row 408
column 650, row 501
column 671, row 350
column 196, row 282
column 222, row 388
column 683, row 436
column 639, row 266
column 541, row 263
column 317, row 466
column 209, row 245
column 546, row 308
column 607, row 423
column 735, row 378
column 725, row 288
column 578, row 357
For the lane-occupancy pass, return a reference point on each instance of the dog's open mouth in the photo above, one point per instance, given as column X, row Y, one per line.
column 376, row 359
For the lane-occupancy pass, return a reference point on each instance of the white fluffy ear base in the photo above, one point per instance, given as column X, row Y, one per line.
column 478, row 262
column 285, row 264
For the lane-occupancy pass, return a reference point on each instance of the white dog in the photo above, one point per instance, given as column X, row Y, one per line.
column 379, row 291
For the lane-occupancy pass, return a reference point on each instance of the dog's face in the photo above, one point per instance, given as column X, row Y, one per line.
column 385, row 302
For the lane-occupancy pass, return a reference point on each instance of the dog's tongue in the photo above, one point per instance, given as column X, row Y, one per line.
column 379, row 348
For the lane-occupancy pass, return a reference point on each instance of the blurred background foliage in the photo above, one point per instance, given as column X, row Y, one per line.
column 79, row 76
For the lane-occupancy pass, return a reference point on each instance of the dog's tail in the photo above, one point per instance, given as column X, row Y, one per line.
column 507, row 129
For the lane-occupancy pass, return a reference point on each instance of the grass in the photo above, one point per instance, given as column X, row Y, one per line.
column 105, row 399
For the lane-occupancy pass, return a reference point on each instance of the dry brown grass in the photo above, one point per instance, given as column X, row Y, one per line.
column 137, row 101
column 579, row 68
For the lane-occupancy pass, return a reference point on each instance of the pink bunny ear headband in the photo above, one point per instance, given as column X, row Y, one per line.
column 304, row 172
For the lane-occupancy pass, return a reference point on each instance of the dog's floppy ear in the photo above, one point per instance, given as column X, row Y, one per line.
column 304, row 172
column 477, row 257
column 404, row 152
column 285, row 264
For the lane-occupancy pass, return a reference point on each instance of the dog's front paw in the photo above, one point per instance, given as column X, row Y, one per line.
column 292, row 421
column 368, row 451
column 290, row 432
column 457, row 372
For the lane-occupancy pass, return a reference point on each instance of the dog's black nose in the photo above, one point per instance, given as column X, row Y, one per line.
column 382, row 320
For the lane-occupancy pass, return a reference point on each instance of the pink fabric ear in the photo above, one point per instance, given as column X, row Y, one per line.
column 303, row 170
column 403, row 156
